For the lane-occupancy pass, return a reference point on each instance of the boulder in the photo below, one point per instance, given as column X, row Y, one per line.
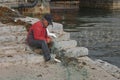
column 56, row 28
column 76, row 52
column 62, row 45
column 62, row 37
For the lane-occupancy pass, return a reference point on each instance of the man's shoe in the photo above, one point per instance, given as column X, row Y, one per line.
column 47, row 59
column 57, row 60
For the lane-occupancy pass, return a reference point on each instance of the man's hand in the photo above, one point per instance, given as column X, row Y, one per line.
column 49, row 40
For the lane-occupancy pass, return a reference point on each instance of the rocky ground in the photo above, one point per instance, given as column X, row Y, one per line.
column 18, row 62
column 84, row 70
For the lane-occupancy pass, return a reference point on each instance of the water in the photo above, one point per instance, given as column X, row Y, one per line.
column 86, row 18
column 98, row 30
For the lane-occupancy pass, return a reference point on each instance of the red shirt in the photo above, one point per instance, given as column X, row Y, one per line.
column 39, row 31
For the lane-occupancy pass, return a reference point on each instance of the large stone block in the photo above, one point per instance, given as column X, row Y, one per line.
column 7, row 38
column 21, row 39
column 13, row 37
column 76, row 52
column 13, row 45
column 17, row 28
column 6, row 47
column 29, row 20
column 63, row 37
column 62, row 45
column 5, row 29
column 10, row 50
column 10, row 29
column 56, row 28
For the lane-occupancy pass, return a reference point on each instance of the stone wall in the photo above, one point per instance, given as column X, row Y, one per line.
column 104, row 4
column 116, row 4
column 41, row 7
column 38, row 10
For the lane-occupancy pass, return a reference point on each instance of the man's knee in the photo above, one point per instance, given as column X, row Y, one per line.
column 42, row 42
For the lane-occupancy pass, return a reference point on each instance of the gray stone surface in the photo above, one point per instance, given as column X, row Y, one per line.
column 21, row 59
column 10, row 50
column 12, row 33
column 76, row 52
column 56, row 28
column 62, row 37
column 65, row 44
column 7, row 38
column 10, row 28
column 10, row 37
column 21, row 38
column 113, row 70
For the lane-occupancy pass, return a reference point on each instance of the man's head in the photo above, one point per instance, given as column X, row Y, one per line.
column 47, row 20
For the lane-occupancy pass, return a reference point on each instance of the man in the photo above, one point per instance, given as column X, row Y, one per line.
column 38, row 36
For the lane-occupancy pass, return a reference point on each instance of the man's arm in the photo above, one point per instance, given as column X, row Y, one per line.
column 51, row 34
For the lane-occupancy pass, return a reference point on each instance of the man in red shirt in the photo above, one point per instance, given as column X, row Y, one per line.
column 38, row 37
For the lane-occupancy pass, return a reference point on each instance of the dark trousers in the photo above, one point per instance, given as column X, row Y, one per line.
column 42, row 45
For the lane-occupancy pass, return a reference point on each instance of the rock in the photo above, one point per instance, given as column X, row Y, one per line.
column 21, row 38
column 65, row 44
column 17, row 28
column 111, row 69
column 5, row 29
column 32, row 59
column 63, row 37
column 38, row 51
column 10, row 29
column 7, row 38
column 12, row 33
column 21, row 59
column 56, row 28
column 76, row 52
column 29, row 20
column 8, row 15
